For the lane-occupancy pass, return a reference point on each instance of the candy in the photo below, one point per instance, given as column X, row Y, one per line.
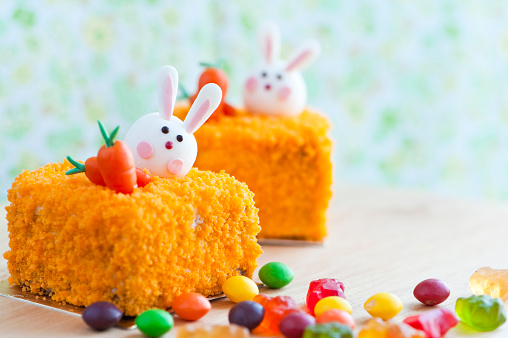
column 154, row 322
column 212, row 331
column 482, row 313
column 329, row 330
column 248, row 314
column 332, row 302
column 377, row 328
column 435, row 323
column 321, row 288
column 191, row 306
column 239, row 289
column 293, row 325
column 276, row 275
column 276, row 308
column 102, row 315
column 337, row 316
column 383, row 305
column 431, row 292
column 492, row 282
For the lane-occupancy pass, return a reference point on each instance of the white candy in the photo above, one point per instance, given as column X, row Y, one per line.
column 161, row 142
column 277, row 87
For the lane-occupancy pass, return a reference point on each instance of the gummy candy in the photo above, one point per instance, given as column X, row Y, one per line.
column 329, row 330
column 276, row 308
column 377, row 328
column 337, row 316
column 239, row 289
column 435, row 323
column 383, row 305
column 482, row 313
column 212, row 331
column 321, row 288
column 492, row 282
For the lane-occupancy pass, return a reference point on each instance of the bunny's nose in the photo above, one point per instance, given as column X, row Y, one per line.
column 175, row 166
column 268, row 86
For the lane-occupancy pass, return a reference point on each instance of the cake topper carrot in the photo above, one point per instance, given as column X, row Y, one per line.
column 161, row 142
column 277, row 87
column 112, row 167
column 214, row 73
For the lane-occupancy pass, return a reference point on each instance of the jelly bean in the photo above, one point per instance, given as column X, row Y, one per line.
column 276, row 308
column 239, row 289
column 191, row 306
column 383, row 305
column 293, row 325
column 336, row 316
column 276, row 275
column 329, row 330
column 332, row 302
column 431, row 292
column 435, row 323
column 248, row 314
column 212, row 331
column 102, row 315
column 321, row 288
column 482, row 313
column 378, row 328
column 154, row 322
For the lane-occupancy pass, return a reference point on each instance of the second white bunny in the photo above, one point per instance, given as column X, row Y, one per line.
column 277, row 87
column 161, row 142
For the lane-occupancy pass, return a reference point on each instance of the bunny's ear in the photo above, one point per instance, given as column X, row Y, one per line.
column 208, row 100
column 269, row 40
column 303, row 56
column 167, row 88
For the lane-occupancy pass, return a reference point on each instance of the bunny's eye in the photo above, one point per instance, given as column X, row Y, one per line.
column 179, row 138
column 165, row 129
column 264, row 74
column 279, row 76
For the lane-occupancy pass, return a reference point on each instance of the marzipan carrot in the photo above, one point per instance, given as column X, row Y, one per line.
column 142, row 177
column 116, row 163
column 89, row 168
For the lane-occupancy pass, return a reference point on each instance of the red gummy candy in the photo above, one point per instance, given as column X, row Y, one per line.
column 321, row 288
column 435, row 323
column 276, row 308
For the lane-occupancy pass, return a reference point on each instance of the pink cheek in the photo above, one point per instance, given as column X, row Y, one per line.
column 284, row 93
column 175, row 166
column 145, row 149
column 251, row 84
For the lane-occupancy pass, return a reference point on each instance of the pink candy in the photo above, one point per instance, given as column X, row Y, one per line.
column 321, row 288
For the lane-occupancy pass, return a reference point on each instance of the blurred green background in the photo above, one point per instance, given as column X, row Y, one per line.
column 416, row 91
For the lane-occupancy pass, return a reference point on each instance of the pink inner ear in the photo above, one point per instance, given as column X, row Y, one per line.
column 251, row 84
column 168, row 98
column 269, row 48
column 198, row 116
column 145, row 149
column 300, row 59
column 284, row 93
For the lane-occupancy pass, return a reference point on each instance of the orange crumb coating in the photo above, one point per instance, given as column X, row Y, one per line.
column 285, row 161
column 81, row 243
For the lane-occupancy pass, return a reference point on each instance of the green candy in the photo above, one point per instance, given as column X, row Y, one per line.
column 482, row 313
column 154, row 322
column 328, row 330
column 276, row 275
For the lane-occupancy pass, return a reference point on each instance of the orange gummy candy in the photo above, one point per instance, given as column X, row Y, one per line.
column 276, row 308
column 377, row 328
column 492, row 282
column 212, row 331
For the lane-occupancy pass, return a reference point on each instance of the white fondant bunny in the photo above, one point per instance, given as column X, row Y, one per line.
column 161, row 142
column 277, row 87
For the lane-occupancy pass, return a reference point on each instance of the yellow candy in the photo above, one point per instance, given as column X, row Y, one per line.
column 383, row 305
column 332, row 302
column 239, row 289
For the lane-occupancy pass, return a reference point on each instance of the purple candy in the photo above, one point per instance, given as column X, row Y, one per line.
column 294, row 324
column 102, row 315
column 248, row 314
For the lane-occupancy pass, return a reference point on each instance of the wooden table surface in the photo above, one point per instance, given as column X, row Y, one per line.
column 379, row 240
